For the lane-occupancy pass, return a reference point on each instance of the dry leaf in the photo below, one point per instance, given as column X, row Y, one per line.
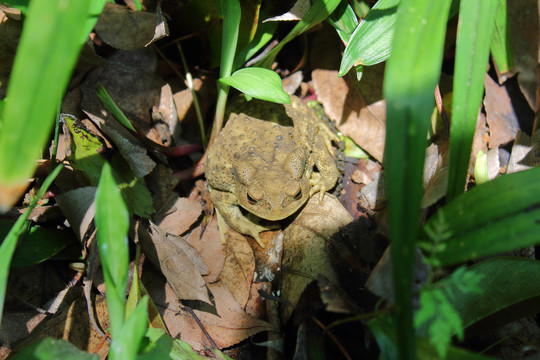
column 180, row 216
column 179, row 262
column 237, row 273
column 143, row 27
column 306, row 240
column 300, row 8
column 79, row 208
column 210, row 248
column 500, row 115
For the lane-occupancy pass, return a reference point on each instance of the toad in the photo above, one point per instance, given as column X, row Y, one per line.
column 268, row 160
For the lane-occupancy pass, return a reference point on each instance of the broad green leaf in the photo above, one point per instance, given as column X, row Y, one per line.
column 352, row 149
column 371, row 40
column 125, row 344
column 319, row 11
column 86, row 149
column 508, row 283
column 47, row 53
column 501, row 42
column 112, row 223
column 344, row 20
column 265, row 33
column 10, row 241
column 384, row 333
column 41, row 244
column 52, row 349
column 476, row 23
column 412, row 72
column 498, row 216
column 259, row 83
column 162, row 346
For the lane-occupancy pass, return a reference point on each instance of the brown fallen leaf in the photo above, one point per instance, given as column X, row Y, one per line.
column 500, row 115
column 179, row 262
column 210, row 248
column 79, row 208
column 177, row 218
column 305, row 252
column 239, row 267
column 117, row 20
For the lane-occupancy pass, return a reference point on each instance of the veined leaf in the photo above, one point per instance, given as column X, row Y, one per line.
column 259, row 83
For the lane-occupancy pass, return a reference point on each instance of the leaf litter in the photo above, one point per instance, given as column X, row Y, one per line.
column 207, row 291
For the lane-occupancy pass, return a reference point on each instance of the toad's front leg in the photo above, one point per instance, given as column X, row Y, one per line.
column 228, row 208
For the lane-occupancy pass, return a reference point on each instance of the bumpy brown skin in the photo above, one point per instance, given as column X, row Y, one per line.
column 263, row 160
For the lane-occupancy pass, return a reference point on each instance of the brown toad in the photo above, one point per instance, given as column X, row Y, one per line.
column 264, row 160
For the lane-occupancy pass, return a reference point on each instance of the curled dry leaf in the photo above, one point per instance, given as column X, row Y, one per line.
column 79, row 208
column 305, row 253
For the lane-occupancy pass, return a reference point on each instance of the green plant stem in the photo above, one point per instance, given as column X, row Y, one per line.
column 231, row 12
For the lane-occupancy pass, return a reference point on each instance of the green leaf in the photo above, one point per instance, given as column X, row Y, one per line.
column 10, row 242
column 259, row 83
column 371, row 40
column 384, row 332
column 265, row 33
column 319, row 11
column 125, row 344
column 86, row 149
column 162, row 346
column 412, row 72
column 46, row 55
column 41, row 244
column 501, row 42
column 498, row 216
column 52, row 349
column 476, row 22
column 352, row 149
column 113, row 108
column 112, row 222
column 508, row 283
column 344, row 20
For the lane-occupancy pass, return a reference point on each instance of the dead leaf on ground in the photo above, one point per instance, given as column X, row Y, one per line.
column 239, row 267
column 500, row 115
column 79, row 208
column 179, row 262
column 144, row 27
column 525, row 152
column 305, row 252
column 180, row 216
column 210, row 248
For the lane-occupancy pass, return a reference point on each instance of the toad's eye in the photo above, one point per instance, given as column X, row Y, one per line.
column 298, row 195
column 251, row 200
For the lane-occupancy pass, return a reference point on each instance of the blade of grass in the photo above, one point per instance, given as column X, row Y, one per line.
column 412, row 73
column 501, row 43
column 10, row 242
column 476, row 23
column 47, row 52
column 112, row 223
